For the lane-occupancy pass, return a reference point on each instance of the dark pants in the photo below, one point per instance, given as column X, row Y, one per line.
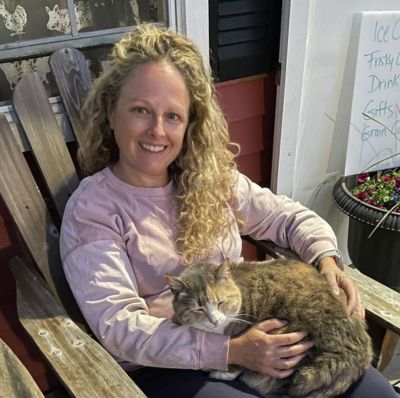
column 171, row 383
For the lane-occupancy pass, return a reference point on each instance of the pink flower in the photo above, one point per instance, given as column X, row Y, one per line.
column 361, row 195
column 362, row 178
column 386, row 178
column 381, row 190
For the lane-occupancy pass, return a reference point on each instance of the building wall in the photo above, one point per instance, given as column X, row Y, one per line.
column 314, row 113
column 249, row 106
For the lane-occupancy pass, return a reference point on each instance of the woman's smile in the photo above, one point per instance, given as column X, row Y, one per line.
column 152, row 148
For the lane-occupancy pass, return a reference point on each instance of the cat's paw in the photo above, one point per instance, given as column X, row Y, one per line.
column 220, row 375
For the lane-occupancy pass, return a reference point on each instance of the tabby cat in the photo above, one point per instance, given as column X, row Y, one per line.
column 228, row 298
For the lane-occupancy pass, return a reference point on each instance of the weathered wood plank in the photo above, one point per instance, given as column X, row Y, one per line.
column 389, row 344
column 37, row 118
column 73, row 80
column 15, row 380
column 382, row 303
column 22, row 198
column 85, row 368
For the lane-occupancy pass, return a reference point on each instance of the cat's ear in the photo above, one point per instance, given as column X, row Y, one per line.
column 175, row 284
column 224, row 270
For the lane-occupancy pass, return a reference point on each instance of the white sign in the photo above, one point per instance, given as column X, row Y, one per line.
column 374, row 132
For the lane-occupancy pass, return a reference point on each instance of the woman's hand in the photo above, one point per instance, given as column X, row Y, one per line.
column 272, row 354
column 338, row 279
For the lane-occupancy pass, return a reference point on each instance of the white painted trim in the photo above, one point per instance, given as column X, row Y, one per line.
column 172, row 18
column 190, row 17
column 293, row 46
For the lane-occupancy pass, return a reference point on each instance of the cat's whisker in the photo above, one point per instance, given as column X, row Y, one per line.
column 248, row 315
column 234, row 319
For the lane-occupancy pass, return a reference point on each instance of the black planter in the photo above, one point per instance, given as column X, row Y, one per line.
column 378, row 256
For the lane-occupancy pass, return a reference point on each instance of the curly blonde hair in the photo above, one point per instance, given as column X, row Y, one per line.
column 203, row 171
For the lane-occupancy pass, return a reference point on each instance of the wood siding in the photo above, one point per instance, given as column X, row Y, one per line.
column 249, row 106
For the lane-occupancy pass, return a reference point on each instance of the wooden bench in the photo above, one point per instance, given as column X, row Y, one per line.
column 46, row 307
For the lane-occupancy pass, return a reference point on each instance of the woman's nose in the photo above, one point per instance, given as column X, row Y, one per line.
column 157, row 127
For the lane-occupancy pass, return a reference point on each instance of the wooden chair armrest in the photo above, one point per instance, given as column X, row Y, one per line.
column 84, row 367
column 15, row 380
column 382, row 304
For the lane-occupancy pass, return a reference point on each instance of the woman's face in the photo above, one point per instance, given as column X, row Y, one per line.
column 149, row 121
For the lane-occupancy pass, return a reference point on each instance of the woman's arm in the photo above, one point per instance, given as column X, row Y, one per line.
column 289, row 224
column 103, row 282
column 283, row 221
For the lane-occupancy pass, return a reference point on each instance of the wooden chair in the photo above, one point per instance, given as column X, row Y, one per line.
column 46, row 307
column 83, row 366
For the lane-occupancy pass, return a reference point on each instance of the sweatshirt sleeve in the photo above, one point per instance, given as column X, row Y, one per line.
column 104, row 286
column 287, row 223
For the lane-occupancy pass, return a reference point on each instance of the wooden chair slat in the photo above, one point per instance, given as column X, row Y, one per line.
column 22, row 198
column 15, row 380
column 46, row 139
column 70, row 351
column 73, row 79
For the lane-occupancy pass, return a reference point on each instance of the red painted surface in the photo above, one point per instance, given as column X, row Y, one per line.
column 249, row 106
column 11, row 331
column 242, row 99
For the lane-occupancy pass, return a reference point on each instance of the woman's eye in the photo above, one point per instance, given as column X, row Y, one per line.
column 173, row 116
column 140, row 110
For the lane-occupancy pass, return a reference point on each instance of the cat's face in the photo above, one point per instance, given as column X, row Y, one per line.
column 205, row 297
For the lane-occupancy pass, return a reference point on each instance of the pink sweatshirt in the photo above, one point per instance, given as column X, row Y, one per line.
column 117, row 242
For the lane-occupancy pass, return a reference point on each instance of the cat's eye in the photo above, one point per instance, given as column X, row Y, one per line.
column 199, row 309
column 220, row 304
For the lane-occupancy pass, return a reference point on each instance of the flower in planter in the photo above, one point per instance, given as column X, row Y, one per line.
column 381, row 190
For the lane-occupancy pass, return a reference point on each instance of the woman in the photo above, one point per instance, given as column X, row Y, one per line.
column 163, row 192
